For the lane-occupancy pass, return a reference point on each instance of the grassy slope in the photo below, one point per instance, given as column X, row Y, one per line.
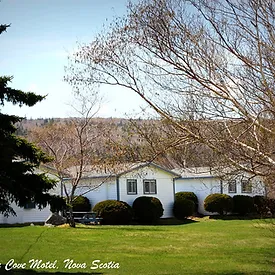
column 207, row 247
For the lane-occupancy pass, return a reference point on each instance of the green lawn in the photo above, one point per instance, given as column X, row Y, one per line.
column 204, row 247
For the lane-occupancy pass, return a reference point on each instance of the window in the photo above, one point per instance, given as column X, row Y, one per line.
column 131, row 187
column 150, row 187
column 29, row 205
column 232, row 186
column 246, row 186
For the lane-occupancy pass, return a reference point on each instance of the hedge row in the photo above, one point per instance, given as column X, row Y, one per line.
column 145, row 210
column 148, row 210
column 239, row 204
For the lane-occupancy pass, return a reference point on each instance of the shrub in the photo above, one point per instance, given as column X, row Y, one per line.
column 81, row 204
column 243, row 204
column 271, row 206
column 57, row 204
column 147, row 209
column 114, row 212
column 183, row 208
column 188, row 196
column 220, row 203
column 261, row 205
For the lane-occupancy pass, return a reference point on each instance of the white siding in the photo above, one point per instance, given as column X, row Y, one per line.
column 112, row 190
column 26, row 215
column 164, row 182
column 98, row 190
column 202, row 187
column 258, row 188
column 102, row 189
column 30, row 215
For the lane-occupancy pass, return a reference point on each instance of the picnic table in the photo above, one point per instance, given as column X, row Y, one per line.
column 87, row 218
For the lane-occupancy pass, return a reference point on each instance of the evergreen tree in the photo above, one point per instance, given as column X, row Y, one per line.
column 19, row 182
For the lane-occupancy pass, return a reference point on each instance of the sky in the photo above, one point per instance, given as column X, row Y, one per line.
column 34, row 50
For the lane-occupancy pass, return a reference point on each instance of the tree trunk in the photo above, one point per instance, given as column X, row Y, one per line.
column 70, row 216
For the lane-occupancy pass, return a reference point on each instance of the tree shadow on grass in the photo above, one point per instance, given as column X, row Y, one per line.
column 237, row 217
column 239, row 273
column 36, row 272
column 7, row 225
column 160, row 222
column 174, row 221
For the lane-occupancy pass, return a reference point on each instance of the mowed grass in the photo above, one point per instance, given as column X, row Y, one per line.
column 203, row 247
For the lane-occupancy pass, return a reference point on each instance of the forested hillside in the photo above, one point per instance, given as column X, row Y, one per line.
column 134, row 140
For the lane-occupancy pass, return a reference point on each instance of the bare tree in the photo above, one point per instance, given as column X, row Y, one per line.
column 206, row 67
column 154, row 140
column 73, row 145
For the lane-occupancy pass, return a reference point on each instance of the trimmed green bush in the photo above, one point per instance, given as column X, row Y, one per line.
column 183, row 208
column 81, row 204
column 113, row 212
column 220, row 203
column 188, row 196
column 271, row 206
column 264, row 205
column 260, row 205
column 243, row 204
column 147, row 209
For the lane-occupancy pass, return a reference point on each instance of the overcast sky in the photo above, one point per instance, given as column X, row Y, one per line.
column 34, row 51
